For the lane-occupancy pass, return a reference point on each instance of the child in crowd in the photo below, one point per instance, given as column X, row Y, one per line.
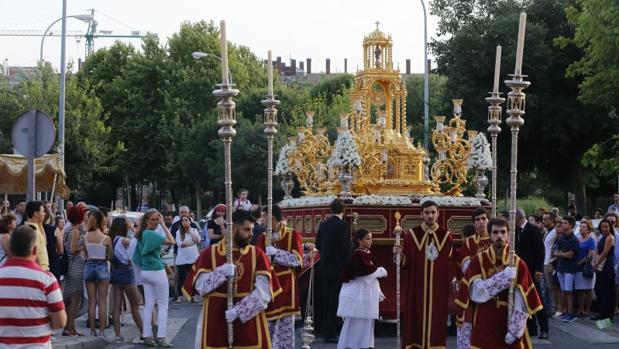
column 360, row 295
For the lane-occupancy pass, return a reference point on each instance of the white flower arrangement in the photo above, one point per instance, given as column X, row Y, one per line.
column 480, row 157
column 283, row 166
column 453, row 201
column 345, row 153
column 308, row 201
column 383, row 200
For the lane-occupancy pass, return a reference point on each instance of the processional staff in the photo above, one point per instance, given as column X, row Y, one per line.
column 398, row 259
column 270, row 130
column 494, row 119
column 515, row 109
column 226, row 121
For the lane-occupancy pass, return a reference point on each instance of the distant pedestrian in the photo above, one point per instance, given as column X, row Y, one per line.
column 34, row 295
column 122, row 276
column 35, row 214
column 187, row 240
column 604, row 263
column 8, row 223
column 582, row 284
column 242, row 202
column 98, row 248
column 567, row 249
column 74, row 278
column 154, row 278
column 54, row 245
column 216, row 225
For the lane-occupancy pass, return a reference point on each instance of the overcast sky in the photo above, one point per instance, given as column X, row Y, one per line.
column 316, row 29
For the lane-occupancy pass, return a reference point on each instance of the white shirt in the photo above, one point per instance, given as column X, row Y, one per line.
column 549, row 241
column 189, row 254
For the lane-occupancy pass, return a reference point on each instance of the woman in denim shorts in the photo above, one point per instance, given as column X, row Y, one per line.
column 122, row 276
column 98, row 248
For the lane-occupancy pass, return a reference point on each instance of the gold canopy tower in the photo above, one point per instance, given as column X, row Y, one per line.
column 391, row 163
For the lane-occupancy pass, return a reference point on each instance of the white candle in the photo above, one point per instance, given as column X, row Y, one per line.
column 520, row 49
column 224, row 52
column 497, row 69
column 270, row 74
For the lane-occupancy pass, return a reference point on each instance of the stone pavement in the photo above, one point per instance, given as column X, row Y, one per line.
column 128, row 330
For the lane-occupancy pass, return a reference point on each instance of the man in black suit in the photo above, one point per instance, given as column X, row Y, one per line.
column 530, row 247
column 333, row 242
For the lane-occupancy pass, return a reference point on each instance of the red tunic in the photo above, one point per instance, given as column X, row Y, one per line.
column 286, row 303
column 361, row 263
column 426, row 293
column 472, row 245
column 490, row 318
column 249, row 262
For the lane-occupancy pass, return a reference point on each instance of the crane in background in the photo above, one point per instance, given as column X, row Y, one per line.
column 90, row 35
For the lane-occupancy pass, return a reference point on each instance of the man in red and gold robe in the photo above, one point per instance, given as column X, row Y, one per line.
column 426, row 252
column 255, row 286
column 471, row 246
column 287, row 257
column 487, row 281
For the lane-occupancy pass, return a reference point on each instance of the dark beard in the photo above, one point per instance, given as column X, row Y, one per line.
column 240, row 242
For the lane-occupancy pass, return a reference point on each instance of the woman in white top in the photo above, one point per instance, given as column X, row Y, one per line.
column 122, row 275
column 187, row 240
column 98, row 248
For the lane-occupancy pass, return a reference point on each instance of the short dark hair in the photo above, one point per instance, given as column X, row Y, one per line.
column 277, row 213
column 22, row 241
column 337, row 206
column 242, row 216
column 359, row 234
column 538, row 218
column 468, row 230
column 5, row 221
column 32, row 207
column 498, row 221
column 478, row 212
column 571, row 220
column 429, row 203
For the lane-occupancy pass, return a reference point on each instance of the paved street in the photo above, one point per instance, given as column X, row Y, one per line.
column 183, row 317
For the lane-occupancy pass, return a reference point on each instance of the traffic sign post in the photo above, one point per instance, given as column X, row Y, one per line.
column 33, row 135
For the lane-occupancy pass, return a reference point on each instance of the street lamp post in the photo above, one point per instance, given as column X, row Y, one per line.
column 426, row 102
column 83, row 18
column 199, row 55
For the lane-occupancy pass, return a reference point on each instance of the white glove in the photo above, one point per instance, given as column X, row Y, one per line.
column 510, row 272
column 509, row 339
column 381, row 272
column 227, row 269
column 231, row 315
column 271, row 251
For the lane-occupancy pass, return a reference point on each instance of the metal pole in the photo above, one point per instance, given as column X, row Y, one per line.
column 61, row 98
column 32, row 146
column 398, row 267
column 515, row 109
column 45, row 34
column 494, row 119
column 270, row 130
column 426, row 101
column 227, row 120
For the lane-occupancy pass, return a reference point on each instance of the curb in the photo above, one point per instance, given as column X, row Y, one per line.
column 82, row 343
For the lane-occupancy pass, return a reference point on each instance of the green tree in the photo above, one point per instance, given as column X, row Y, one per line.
column 596, row 33
column 558, row 129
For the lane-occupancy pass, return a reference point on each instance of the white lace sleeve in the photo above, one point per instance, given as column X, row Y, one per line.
column 482, row 291
column 257, row 301
column 286, row 259
column 518, row 320
column 207, row 282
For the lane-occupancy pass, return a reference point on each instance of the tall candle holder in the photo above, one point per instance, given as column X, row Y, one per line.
column 226, row 120
column 270, row 130
column 495, row 112
column 515, row 109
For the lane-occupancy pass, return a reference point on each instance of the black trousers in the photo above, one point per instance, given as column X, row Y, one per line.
column 330, row 299
column 541, row 317
column 605, row 291
column 183, row 270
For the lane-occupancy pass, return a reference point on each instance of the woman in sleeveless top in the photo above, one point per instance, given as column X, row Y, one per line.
column 605, row 278
column 74, row 278
column 122, row 278
column 98, row 248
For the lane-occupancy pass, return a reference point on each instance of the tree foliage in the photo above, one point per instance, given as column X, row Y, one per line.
column 558, row 129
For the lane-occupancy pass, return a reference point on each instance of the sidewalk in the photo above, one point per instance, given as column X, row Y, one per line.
column 128, row 330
